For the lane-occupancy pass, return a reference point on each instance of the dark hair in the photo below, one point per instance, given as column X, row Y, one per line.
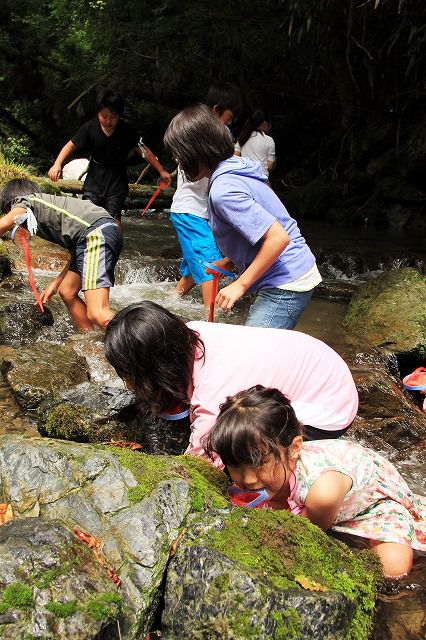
column 223, row 96
column 198, row 140
column 252, row 124
column 252, row 425
column 155, row 351
column 109, row 99
column 14, row 189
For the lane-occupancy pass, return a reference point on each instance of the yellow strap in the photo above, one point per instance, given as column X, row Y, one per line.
column 56, row 208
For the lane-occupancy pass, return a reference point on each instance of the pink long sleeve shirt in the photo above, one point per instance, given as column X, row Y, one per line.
column 313, row 376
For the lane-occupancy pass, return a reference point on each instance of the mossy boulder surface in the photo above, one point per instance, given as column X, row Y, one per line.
column 390, row 311
column 245, row 574
column 134, row 504
column 51, row 585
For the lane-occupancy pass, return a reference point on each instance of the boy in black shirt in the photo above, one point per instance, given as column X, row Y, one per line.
column 109, row 139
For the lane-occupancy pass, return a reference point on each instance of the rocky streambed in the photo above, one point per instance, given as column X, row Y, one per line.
column 101, row 541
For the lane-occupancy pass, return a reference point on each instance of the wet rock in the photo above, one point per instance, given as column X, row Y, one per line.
column 388, row 419
column 5, row 266
column 44, row 255
column 390, row 311
column 22, row 322
column 337, row 290
column 42, row 371
column 239, row 574
column 134, row 504
column 51, row 584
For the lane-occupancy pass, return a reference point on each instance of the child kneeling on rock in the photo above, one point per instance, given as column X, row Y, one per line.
column 337, row 484
column 86, row 230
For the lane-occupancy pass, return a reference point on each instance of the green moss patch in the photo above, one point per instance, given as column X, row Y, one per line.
column 16, row 595
column 207, row 484
column 44, row 580
column 62, row 609
column 287, row 548
column 105, row 606
column 69, row 422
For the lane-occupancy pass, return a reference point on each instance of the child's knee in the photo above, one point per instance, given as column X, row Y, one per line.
column 100, row 317
column 397, row 559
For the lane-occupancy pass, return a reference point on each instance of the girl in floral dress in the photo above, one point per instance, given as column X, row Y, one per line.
column 337, row 484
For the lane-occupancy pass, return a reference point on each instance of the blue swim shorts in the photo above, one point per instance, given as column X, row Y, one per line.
column 197, row 243
column 96, row 255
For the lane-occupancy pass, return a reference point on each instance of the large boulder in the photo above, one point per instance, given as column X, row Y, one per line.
column 22, row 322
column 241, row 574
column 133, row 504
column 390, row 311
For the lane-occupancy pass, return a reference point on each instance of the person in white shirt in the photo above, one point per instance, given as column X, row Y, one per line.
column 254, row 141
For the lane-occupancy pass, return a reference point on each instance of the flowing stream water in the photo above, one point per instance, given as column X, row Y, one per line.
column 148, row 269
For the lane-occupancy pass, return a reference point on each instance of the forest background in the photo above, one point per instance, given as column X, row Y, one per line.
column 344, row 81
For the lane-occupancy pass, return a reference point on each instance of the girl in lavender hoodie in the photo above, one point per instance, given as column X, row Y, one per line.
column 250, row 224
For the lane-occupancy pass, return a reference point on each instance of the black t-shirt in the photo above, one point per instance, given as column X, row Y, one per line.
column 107, row 172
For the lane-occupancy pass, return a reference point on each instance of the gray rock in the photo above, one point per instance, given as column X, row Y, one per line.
column 51, row 585
column 236, row 576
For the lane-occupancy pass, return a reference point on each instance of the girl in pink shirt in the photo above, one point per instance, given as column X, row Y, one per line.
column 175, row 367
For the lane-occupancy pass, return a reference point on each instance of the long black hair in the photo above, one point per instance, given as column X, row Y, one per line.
column 198, row 140
column 14, row 189
column 252, row 124
column 154, row 351
column 252, row 425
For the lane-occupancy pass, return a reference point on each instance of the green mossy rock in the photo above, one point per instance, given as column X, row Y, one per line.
column 242, row 574
column 390, row 311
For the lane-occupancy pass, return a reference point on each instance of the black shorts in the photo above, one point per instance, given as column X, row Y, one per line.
column 96, row 255
column 112, row 203
column 312, row 433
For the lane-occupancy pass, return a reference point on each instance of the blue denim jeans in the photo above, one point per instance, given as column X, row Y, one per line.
column 277, row 308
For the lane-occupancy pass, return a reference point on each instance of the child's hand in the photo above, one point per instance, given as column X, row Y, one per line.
column 55, row 172
column 49, row 292
column 227, row 297
column 165, row 175
column 223, row 263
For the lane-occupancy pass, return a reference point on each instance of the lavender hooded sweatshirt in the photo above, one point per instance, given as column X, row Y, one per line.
column 241, row 210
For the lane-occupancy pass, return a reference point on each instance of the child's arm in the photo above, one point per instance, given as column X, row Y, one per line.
column 146, row 153
column 325, row 498
column 53, row 287
column 7, row 221
column 56, row 169
column 274, row 242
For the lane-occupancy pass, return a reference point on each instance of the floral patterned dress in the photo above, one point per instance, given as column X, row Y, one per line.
column 379, row 506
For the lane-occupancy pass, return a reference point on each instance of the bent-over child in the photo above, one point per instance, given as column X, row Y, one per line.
column 250, row 224
column 172, row 366
column 337, row 484
column 86, row 230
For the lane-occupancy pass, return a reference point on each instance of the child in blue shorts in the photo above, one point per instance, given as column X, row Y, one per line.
column 189, row 213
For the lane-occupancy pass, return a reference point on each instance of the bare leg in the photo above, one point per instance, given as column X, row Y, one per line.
column 397, row 559
column 185, row 284
column 69, row 289
column 98, row 310
column 206, row 290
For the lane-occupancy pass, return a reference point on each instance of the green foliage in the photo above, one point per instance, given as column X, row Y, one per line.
column 45, row 579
